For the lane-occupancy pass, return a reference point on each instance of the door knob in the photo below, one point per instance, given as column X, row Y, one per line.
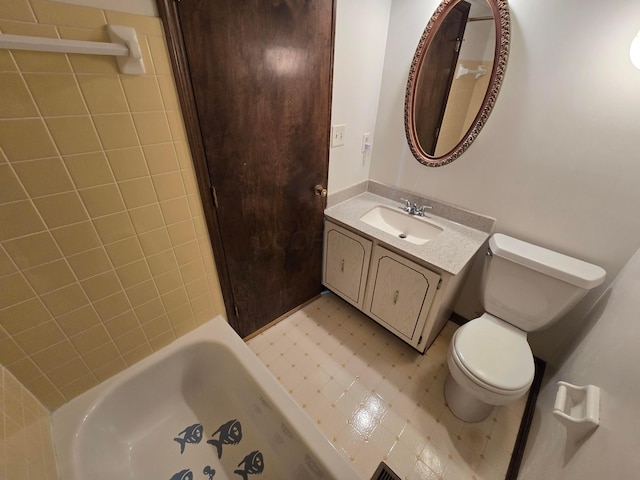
column 319, row 191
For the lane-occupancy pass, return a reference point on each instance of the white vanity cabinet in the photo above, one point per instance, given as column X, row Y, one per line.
column 346, row 263
column 399, row 294
column 411, row 299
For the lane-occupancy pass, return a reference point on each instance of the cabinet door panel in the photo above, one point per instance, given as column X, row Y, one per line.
column 400, row 294
column 346, row 263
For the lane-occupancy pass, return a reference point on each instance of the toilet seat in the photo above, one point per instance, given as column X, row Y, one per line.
column 494, row 354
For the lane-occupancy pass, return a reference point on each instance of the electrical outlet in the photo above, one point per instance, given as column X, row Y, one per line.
column 337, row 135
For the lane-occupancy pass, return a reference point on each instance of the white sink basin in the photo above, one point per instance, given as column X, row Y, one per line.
column 413, row 229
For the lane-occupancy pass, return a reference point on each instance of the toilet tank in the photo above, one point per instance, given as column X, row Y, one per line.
column 531, row 287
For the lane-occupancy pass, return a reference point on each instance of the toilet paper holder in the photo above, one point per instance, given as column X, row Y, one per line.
column 577, row 408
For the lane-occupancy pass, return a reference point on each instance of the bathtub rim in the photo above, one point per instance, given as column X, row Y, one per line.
column 68, row 419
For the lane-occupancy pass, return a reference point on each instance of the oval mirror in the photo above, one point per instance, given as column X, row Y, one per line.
column 455, row 77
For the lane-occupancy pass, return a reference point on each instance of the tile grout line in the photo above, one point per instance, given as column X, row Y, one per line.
column 47, row 229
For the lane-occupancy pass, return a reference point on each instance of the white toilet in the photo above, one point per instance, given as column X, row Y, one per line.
column 524, row 288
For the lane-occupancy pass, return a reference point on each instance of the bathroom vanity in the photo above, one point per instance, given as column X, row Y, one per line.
column 403, row 271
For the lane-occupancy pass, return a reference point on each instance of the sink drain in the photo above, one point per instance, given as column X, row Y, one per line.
column 403, row 235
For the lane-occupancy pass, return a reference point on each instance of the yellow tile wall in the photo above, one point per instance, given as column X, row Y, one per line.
column 104, row 254
column 26, row 448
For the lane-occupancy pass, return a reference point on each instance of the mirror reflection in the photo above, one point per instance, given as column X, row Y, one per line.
column 454, row 77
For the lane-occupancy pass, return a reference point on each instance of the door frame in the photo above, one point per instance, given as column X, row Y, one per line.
column 168, row 10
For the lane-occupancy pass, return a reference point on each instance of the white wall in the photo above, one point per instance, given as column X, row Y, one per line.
column 606, row 356
column 361, row 34
column 557, row 162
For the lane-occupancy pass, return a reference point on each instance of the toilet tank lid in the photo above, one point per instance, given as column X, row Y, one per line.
column 571, row 270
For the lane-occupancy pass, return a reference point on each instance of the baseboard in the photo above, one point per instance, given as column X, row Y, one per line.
column 280, row 318
column 457, row 319
column 525, row 423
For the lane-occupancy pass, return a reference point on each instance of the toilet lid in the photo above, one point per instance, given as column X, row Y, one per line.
column 496, row 353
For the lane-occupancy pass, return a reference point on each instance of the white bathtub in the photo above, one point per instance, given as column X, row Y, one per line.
column 207, row 385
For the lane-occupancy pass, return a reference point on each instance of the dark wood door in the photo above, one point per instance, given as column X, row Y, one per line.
column 434, row 82
column 261, row 78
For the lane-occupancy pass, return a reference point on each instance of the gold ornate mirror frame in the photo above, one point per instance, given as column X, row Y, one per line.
column 500, row 11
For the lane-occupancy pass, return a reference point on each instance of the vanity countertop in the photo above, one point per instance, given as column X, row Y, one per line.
column 450, row 251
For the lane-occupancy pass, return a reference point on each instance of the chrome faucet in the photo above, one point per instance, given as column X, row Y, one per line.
column 414, row 209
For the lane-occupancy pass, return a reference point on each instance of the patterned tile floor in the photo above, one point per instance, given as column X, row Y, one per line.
column 377, row 399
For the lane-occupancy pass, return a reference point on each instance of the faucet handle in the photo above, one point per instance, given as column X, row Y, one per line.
column 407, row 205
column 421, row 210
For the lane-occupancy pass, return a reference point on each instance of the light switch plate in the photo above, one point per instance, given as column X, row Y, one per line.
column 337, row 135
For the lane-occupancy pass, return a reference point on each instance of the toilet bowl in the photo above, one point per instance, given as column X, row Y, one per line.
column 524, row 288
column 490, row 363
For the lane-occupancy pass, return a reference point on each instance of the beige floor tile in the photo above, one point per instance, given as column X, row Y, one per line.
column 376, row 399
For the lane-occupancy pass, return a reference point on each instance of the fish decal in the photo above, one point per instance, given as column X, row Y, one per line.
column 253, row 464
column 209, row 471
column 230, row 434
column 185, row 474
column 192, row 434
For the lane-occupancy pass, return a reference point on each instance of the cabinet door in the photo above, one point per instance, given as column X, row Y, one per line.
column 400, row 294
column 346, row 263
